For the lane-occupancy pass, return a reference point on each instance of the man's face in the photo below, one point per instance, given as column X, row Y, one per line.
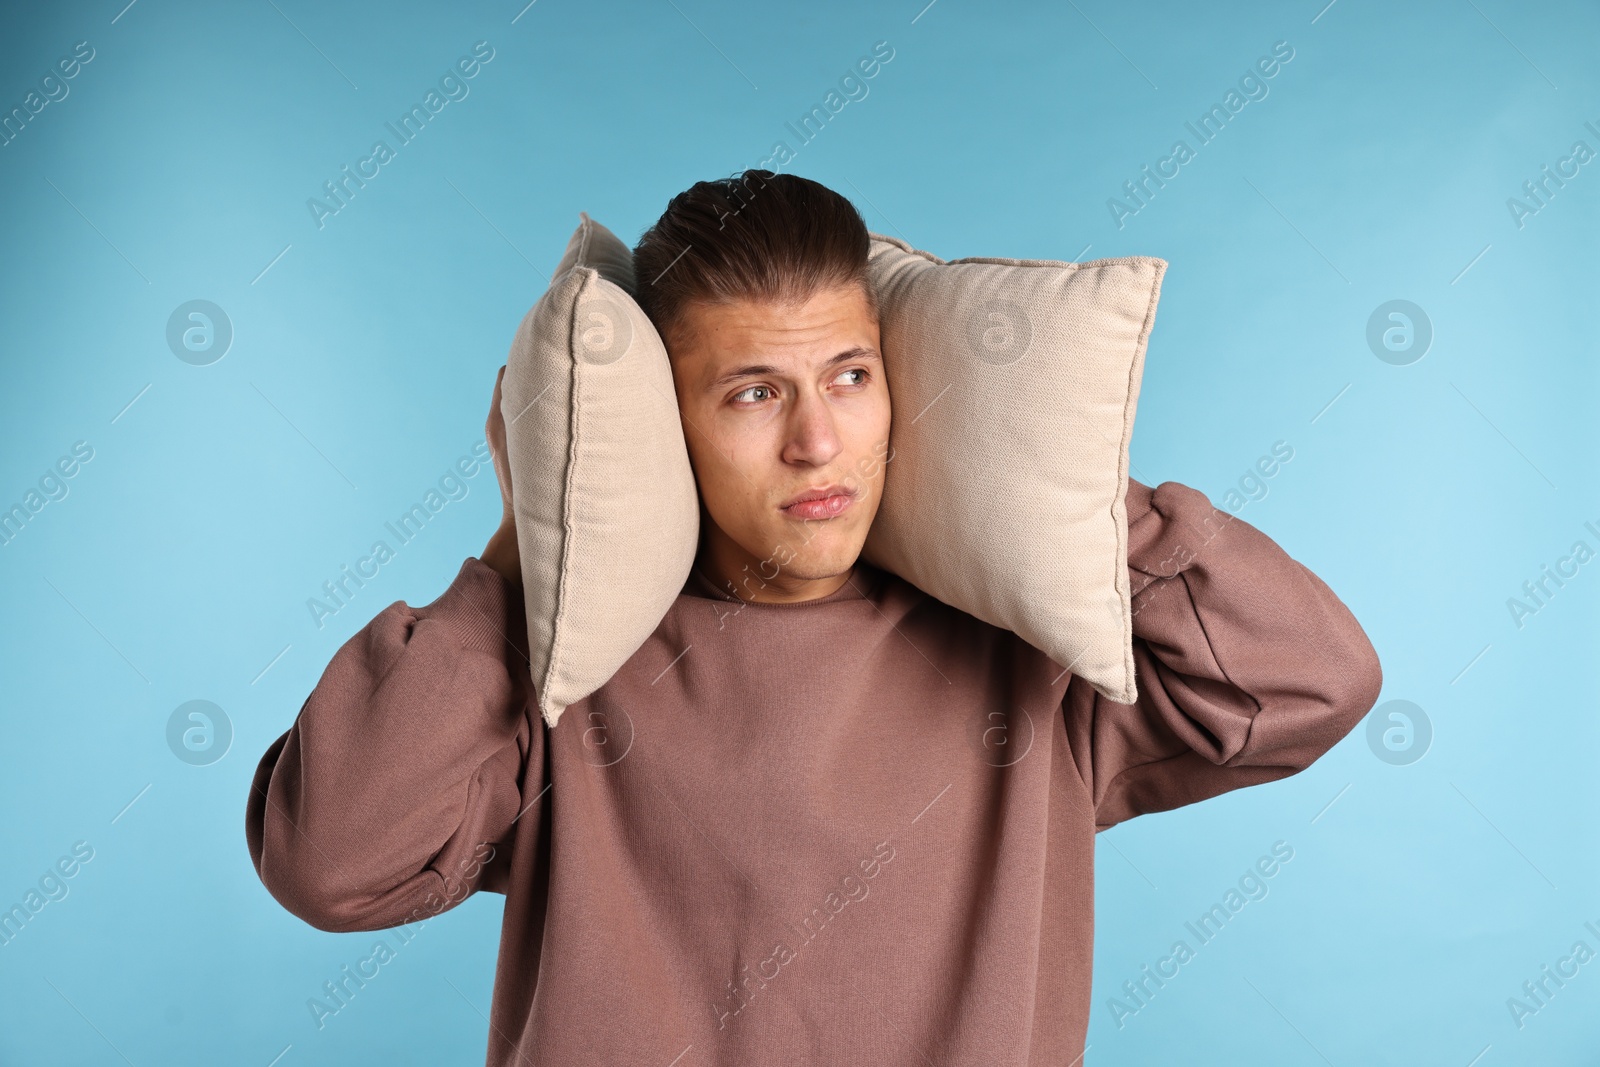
column 778, row 400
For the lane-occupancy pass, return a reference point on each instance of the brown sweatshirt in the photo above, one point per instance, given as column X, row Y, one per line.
column 857, row 829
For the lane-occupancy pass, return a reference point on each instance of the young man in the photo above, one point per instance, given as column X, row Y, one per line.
column 819, row 817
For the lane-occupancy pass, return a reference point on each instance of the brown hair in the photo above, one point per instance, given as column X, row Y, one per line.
column 753, row 236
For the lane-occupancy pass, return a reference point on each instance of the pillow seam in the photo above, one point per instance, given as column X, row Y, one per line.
column 563, row 594
column 1123, row 460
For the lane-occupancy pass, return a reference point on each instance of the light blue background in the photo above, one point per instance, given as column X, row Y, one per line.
column 179, row 565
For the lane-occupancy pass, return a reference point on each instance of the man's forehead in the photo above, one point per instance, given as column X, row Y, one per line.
column 783, row 322
column 790, row 336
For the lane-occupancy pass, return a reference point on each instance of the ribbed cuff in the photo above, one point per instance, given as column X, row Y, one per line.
column 1173, row 534
column 483, row 608
column 1137, row 500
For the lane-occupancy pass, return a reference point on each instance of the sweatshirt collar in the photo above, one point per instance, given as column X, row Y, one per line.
column 861, row 582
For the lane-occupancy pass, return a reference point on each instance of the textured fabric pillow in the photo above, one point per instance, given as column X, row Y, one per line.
column 1013, row 385
column 607, row 511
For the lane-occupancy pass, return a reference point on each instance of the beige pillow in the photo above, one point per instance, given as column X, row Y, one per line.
column 607, row 512
column 1013, row 384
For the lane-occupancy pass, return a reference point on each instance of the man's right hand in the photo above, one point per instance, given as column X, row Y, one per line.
column 501, row 551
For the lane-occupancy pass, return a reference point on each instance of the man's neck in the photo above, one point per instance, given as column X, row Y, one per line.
column 751, row 584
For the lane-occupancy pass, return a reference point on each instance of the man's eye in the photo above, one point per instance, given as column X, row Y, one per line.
column 744, row 394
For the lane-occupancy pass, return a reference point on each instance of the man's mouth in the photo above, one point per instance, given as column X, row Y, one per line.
column 824, row 502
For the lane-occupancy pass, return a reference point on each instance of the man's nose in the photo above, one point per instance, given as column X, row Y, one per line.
column 812, row 436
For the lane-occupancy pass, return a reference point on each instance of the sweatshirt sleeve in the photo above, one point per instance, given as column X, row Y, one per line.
column 392, row 796
column 1248, row 667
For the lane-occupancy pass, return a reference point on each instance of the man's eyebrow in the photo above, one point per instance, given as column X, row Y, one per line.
column 757, row 370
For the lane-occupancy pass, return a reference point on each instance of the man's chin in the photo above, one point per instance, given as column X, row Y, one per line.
column 816, row 551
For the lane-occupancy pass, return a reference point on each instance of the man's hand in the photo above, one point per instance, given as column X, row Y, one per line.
column 501, row 551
